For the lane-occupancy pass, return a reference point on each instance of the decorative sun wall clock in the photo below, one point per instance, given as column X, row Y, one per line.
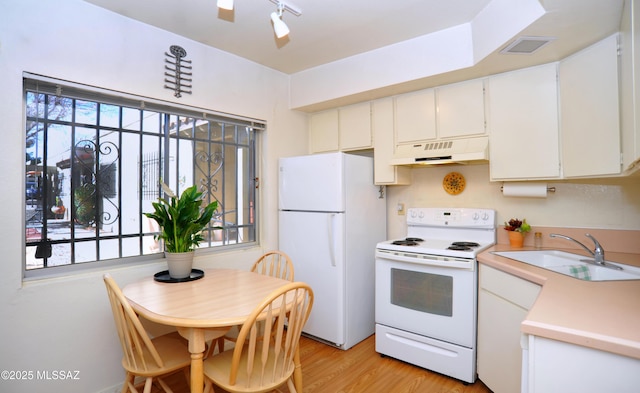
column 453, row 183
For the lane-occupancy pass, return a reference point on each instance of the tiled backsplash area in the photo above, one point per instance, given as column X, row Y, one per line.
column 612, row 240
column 609, row 209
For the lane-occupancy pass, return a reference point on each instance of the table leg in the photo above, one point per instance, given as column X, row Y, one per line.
column 297, row 371
column 197, row 373
column 196, row 347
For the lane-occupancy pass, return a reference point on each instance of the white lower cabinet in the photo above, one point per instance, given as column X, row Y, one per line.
column 555, row 366
column 503, row 303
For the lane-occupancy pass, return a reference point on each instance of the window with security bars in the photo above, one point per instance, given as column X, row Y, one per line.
column 95, row 163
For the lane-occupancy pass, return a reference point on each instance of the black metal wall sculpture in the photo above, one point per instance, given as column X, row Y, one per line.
column 176, row 59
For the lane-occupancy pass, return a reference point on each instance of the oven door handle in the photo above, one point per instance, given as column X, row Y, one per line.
column 426, row 259
column 332, row 244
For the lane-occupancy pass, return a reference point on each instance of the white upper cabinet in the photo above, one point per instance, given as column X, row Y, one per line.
column 382, row 126
column 523, row 124
column 324, row 131
column 589, row 111
column 450, row 111
column 355, row 126
column 415, row 116
column 630, row 85
column 460, row 109
column 346, row 128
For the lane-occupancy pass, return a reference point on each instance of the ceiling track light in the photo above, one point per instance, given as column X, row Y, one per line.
column 279, row 27
column 225, row 4
column 287, row 7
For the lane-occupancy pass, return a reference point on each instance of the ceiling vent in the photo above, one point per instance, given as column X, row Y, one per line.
column 526, row 45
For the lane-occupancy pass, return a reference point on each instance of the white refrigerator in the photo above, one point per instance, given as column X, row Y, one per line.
column 331, row 216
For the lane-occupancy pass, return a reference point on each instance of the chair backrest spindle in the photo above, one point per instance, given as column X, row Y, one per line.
column 133, row 336
column 275, row 264
column 266, row 344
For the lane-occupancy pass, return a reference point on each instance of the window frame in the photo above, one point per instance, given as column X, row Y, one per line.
column 46, row 85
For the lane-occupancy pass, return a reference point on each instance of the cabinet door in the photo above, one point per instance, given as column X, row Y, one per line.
column 323, row 131
column 499, row 353
column 460, row 109
column 382, row 126
column 523, row 124
column 630, row 85
column 355, row 126
column 589, row 111
column 503, row 303
column 415, row 116
column 556, row 366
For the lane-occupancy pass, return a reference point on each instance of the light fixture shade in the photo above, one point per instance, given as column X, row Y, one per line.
column 225, row 4
column 279, row 27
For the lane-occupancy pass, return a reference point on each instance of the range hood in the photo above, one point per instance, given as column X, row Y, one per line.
column 451, row 151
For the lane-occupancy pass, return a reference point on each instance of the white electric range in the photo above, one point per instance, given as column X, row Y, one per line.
column 426, row 289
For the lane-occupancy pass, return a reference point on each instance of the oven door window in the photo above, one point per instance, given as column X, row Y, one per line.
column 424, row 292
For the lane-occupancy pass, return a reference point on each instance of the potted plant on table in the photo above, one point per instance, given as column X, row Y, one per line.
column 517, row 230
column 181, row 222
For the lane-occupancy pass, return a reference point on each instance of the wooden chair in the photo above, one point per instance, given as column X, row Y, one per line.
column 263, row 357
column 274, row 264
column 144, row 356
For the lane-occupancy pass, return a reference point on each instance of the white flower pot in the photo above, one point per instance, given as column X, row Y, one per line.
column 179, row 263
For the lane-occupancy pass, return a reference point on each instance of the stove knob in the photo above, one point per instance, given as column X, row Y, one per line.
column 485, row 216
column 476, row 216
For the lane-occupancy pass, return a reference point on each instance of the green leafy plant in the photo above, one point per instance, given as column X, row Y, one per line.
column 518, row 226
column 182, row 219
column 85, row 203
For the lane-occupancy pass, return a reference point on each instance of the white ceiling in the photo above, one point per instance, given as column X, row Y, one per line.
column 330, row 30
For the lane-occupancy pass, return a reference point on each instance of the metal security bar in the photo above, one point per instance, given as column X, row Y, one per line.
column 94, row 166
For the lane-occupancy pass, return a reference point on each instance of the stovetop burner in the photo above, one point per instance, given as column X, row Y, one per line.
column 465, row 244
column 409, row 241
column 446, row 232
column 459, row 248
column 405, row 242
column 462, row 246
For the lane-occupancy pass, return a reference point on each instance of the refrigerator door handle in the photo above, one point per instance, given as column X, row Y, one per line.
column 332, row 243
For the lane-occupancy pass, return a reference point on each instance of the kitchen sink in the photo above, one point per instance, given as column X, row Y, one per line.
column 573, row 265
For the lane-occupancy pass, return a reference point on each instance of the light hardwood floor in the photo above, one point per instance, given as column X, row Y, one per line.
column 360, row 369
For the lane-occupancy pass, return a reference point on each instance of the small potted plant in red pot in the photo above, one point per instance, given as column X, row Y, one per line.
column 517, row 230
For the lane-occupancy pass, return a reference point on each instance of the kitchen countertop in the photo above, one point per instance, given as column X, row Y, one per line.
column 603, row 315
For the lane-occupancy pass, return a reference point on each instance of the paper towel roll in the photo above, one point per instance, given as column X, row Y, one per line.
column 531, row 190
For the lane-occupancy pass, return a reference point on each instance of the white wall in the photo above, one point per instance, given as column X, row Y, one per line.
column 66, row 323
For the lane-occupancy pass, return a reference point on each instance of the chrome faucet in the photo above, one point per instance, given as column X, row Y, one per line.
column 597, row 253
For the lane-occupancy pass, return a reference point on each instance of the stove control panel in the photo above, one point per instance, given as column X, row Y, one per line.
column 452, row 217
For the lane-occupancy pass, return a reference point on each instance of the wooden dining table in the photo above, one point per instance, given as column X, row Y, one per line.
column 204, row 309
